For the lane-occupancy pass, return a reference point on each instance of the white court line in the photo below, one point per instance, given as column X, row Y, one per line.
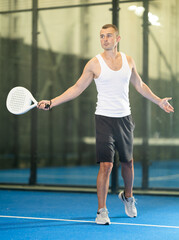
column 83, row 221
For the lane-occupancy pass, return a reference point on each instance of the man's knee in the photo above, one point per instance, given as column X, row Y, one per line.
column 127, row 164
column 106, row 167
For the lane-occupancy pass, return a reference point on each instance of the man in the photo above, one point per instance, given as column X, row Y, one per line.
column 112, row 72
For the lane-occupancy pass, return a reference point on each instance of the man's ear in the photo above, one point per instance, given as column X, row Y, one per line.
column 118, row 38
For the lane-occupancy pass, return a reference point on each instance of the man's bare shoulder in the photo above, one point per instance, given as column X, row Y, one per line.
column 130, row 61
column 92, row 64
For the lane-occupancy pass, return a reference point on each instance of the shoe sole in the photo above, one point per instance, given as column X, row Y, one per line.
column 101, row 223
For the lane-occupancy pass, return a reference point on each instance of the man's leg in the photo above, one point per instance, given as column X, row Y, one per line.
column 103, row 183
column 127, row 198
column 127, row 172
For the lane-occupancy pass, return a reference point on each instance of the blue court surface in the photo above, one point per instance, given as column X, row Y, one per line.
column 57, row 215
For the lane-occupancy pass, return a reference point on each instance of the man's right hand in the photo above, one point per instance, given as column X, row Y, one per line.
column 44, row 105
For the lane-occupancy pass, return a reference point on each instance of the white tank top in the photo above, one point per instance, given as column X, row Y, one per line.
column 113, row 89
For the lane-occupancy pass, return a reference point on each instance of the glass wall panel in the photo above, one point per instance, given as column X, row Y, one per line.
column 130, row 30
column 15, row 70
column 13, row 5
column 163, row 74
column 162, row 150
column 66, row 145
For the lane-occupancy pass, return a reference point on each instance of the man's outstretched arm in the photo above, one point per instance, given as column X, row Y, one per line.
column 72, row 92
column 145, row 91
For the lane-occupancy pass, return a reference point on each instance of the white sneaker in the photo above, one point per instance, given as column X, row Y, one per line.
column 102, row 217
column 129, row 203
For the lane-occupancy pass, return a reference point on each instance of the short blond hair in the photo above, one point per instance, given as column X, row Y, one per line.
column 111, row 26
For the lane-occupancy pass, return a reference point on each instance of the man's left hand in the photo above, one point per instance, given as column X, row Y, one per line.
column 165, row 105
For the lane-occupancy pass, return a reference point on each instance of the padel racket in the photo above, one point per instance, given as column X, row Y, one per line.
column 20, row 101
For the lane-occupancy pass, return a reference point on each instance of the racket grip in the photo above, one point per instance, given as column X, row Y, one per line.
column 47, row 106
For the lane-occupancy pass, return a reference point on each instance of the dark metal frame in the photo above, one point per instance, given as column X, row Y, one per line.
column 34, row 80
column 145, row 77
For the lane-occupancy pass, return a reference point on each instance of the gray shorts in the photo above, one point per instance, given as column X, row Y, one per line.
column 114, row 134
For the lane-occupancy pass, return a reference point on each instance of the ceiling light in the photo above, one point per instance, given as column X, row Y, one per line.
column 153, row 19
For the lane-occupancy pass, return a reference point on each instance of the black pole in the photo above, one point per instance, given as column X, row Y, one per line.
column 114, row 176
column 34, row 72
column 115, row 12
column 16, row 44
column 146, row 117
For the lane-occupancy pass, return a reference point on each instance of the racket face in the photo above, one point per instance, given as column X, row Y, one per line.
column 19, row 100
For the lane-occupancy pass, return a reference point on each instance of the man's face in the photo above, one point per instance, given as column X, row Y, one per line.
column 109, row 38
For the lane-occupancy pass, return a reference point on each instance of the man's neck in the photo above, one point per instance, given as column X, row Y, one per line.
column 110, row 54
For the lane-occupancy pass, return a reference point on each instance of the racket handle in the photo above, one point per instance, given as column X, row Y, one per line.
column 47, row 106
